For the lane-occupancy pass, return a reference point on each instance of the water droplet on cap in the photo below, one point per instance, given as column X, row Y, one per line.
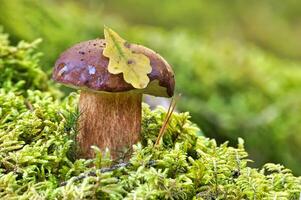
column 91, row 69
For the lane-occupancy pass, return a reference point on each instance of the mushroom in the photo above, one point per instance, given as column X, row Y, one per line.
column 110, row 107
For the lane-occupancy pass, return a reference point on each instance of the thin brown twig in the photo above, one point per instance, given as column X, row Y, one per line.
column 170, row 110
column 164, row 122
column 104, row 170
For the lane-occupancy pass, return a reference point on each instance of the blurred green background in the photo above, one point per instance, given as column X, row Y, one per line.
column 237, row 63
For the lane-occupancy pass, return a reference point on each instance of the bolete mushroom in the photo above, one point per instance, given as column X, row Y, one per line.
column 110, row 107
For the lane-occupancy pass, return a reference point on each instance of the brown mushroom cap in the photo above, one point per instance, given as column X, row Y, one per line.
column 83, row 66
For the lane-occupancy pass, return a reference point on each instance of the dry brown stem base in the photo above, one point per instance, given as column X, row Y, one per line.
column 109, row 120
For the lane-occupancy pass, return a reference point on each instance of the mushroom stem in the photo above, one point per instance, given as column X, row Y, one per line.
column 109, row 120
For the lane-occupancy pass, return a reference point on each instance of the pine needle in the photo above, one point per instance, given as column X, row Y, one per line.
column 170, row 110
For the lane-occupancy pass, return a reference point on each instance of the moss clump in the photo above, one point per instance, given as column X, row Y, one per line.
column 19, row 69
column 37, row 149
column 38, row 153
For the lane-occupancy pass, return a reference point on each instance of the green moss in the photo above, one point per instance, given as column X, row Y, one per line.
column 36, row 143
column 19, row 66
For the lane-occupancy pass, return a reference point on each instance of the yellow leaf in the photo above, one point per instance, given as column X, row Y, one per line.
column 134, row 66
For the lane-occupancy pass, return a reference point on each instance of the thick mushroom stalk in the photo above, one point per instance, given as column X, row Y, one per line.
column 109, row 120
column 110, row 107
